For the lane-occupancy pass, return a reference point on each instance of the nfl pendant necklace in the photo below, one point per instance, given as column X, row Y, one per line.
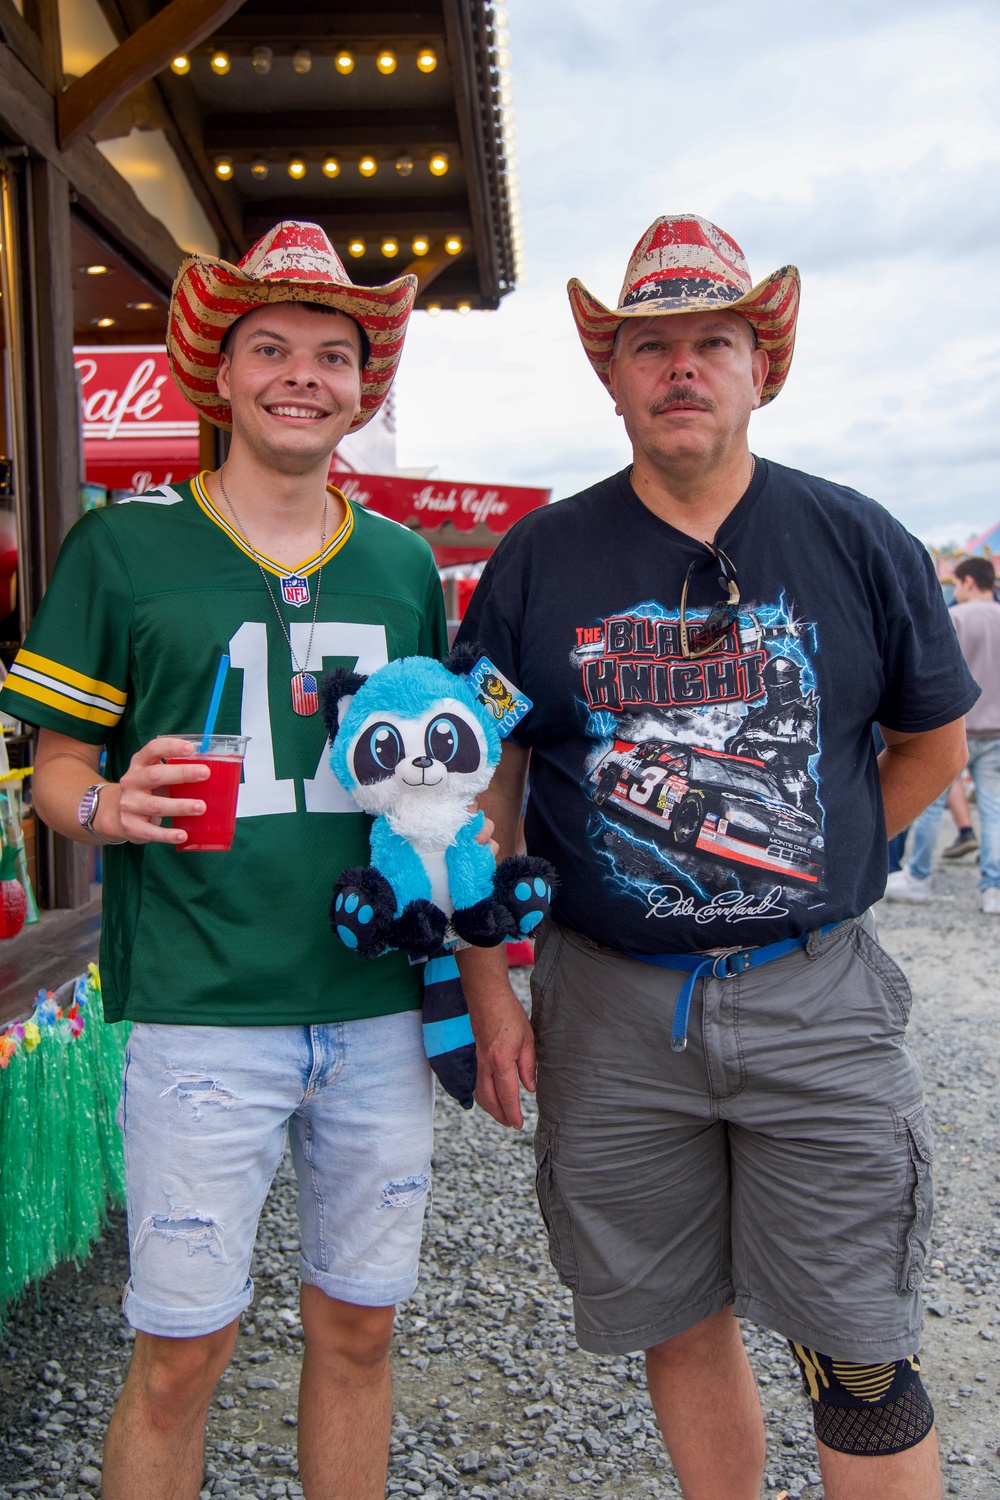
column 305, row 689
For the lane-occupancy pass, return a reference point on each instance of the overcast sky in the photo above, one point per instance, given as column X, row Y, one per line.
column 858, row 140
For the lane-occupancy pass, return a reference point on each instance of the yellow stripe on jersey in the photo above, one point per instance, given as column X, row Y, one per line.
column 309, row 565
column 64, row 674
column 87, row 711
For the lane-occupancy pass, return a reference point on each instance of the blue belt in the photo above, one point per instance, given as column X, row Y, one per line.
column 720, row 966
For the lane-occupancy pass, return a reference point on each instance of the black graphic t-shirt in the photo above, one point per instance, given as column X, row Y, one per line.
column 732, row 798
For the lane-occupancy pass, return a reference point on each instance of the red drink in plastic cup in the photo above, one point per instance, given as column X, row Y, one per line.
column 214, row 829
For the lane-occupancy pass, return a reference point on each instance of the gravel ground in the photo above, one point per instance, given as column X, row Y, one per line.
column 493, row 1398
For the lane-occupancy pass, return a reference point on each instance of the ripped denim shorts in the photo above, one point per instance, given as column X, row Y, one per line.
column 203, row 1113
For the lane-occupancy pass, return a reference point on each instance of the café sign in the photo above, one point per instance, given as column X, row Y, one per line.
column 138, row 431
column 126, row 391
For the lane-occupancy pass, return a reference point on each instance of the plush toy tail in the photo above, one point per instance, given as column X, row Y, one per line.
column 448, row 1039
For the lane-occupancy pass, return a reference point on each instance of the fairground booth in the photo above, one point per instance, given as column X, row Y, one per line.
column 133, row 132
column 987, row 544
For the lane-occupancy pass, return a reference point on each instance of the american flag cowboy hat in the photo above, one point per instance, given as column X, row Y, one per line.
column 685, row 264
column 294, row 262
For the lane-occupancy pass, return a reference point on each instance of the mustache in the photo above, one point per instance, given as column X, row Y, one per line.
column 681, row 395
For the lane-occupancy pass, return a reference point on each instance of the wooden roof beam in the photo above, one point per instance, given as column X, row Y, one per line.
column 396, row 130
column 184, row 134
column 365, row 215
column 27, row 44
column 181, row 25
column 426, row 267
column 372, row 25
column 26, row 113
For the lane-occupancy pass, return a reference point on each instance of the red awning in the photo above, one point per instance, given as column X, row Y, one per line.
column 464, row 522
column 139, row 465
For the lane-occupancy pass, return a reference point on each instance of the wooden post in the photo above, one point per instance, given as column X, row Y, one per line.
column 54, row 441
column 56, row 415
column 207, row 451
column 47, row 26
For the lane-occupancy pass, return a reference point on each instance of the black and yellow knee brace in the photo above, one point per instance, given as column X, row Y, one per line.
column 866, row 1410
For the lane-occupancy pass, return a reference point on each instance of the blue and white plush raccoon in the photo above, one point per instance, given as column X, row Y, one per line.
column 414, row 747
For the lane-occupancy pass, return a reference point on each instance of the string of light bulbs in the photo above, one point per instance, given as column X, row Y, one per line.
column 438, row 164
column 499, row 38
column 391, row 245
column 262, row 60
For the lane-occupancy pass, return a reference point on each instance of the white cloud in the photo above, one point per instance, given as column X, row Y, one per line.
column 858, row 141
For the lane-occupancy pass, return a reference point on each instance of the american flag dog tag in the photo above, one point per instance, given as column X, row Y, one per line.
column 305, row 694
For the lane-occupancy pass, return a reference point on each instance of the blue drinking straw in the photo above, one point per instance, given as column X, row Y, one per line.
column 213, row 707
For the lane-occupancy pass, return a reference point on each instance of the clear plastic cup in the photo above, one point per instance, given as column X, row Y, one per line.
column 215, row 827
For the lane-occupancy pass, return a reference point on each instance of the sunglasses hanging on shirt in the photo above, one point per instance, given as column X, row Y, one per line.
column 707, row 634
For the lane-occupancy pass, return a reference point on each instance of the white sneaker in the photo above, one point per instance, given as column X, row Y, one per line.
column 902, row 886
column 990, row 900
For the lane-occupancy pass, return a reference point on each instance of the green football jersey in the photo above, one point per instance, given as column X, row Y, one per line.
column 146, row 597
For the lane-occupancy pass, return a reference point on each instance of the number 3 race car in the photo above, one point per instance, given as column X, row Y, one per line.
column 727, row 805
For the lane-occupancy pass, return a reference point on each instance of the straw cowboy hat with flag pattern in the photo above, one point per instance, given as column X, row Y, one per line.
column 294, row 262
column 685, row 264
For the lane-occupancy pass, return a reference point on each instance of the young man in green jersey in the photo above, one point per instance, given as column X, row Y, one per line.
column 248, row 1014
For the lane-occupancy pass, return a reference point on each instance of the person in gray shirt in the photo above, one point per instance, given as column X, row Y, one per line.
column 977, row 623
column 976, row 617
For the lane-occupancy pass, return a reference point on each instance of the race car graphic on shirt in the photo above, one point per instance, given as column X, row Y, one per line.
column 725, row 805
column 704, row 775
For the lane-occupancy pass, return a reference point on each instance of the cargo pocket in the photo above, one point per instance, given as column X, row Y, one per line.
column 554, row 1211
column 918, row 1202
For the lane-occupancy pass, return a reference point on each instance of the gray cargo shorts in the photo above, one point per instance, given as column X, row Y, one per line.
column 781, row 1163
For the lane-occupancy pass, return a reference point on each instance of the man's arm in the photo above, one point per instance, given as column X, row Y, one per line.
column 504, row 1042
column 915, row 768
column 129, row 809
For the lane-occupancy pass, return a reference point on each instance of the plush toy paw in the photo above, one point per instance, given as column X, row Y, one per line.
column 525, row 885
column 362, row 911
column 484, row 925
column 419, row 929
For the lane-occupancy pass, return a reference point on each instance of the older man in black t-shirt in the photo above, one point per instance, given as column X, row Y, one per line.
column 729, row 1118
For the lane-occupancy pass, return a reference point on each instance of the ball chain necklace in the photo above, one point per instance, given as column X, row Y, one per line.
column 305, row 693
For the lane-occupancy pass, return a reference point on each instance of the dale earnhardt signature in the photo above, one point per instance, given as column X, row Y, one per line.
column 728, row 906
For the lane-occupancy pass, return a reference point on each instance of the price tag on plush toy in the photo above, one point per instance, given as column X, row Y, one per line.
column 506, row 703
